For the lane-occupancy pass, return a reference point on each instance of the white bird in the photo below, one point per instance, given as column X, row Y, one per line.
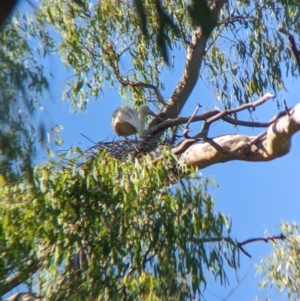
column 127, row 121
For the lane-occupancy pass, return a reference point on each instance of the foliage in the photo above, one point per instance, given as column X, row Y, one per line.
column 282, row 268
column 103, row 42
column 95, row 41
column 259, row 52
column 137, row 238
column 22, row 83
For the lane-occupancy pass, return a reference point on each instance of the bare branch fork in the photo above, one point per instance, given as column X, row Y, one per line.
column 207, row 123
column 211, row 116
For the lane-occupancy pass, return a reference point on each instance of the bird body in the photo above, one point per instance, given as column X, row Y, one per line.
column 127, row 121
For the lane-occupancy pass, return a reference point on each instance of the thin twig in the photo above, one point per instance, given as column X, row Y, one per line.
column 240, row 108
column 265, row 239
column 241, row 244
column 286, row 108
column 186, row 129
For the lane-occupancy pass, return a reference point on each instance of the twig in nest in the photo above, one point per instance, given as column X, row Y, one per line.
column 88, row 138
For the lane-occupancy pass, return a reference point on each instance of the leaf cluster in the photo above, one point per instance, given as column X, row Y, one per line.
column 247, row 54
column 102, row 43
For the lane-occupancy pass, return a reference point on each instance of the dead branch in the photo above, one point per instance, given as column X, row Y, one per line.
column 203, row 134
column 265, row 147
column 217, row 115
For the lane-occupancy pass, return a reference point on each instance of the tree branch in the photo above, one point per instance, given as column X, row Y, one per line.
column 194, row 57
column 186, row 130
column 212, row 116
column 240, row 108
column 293, row 44
column 19, row 277
column 114, row 62
column 265, row 147
column 240, row 245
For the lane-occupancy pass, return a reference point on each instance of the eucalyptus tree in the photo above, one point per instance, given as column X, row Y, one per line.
column 134, row 221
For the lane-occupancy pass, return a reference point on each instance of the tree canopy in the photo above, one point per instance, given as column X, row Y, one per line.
column 128, row 219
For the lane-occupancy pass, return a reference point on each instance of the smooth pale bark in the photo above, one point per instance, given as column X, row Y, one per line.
column 274, row 144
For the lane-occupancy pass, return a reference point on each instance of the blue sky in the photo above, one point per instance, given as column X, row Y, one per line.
column 257, row 196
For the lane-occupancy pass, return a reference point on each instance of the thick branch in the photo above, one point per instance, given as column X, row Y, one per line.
column 194, row 57
column 203, row 134
column 19, row 277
